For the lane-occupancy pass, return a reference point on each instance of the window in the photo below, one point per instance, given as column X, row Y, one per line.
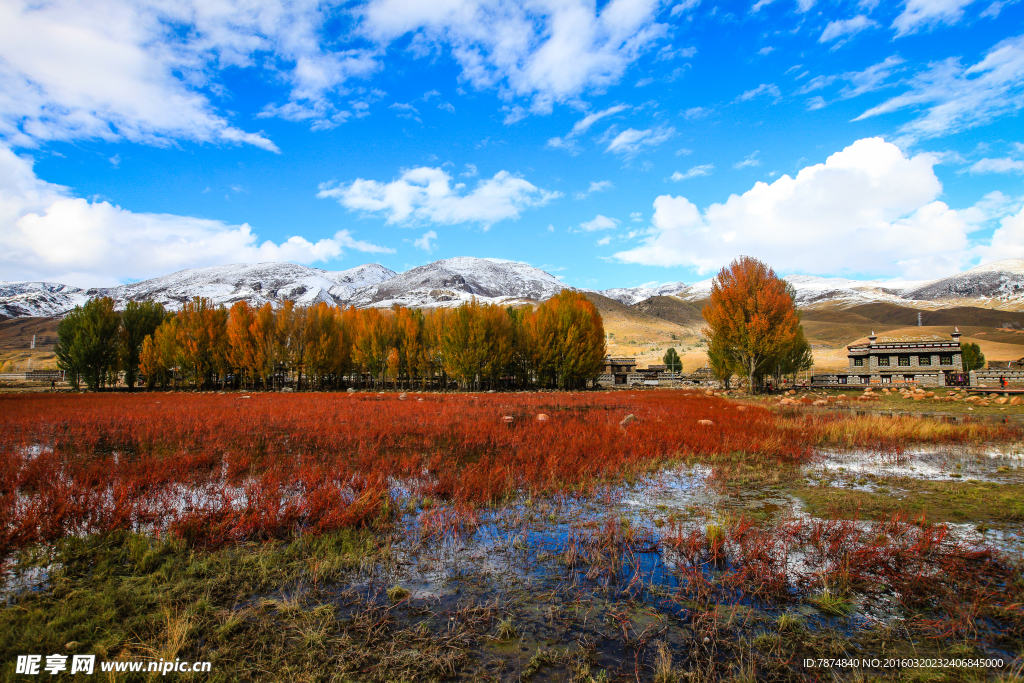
column 945, row 360
column 858, row 362
column 887, row 379
column 842, row 379
column 883, row 360
column 924, row 360
column 905, row 361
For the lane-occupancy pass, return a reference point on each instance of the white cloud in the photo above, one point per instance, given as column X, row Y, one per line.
column 763, row 89
column 684, row 6
column 604, row 241
column 470, row 172
column 583, row 125
column 765, row 51
column 751, row 160
column 595, row 186
column 631, row 142
column 1007, row 241
column 424, row 242
column 956, row 98
column 816, row 102
column 918, row 14
column 405, row 110
column 846, row 27
column 867, row 208
column 694, row 113
column 694, row 172
column 1005, row 165
column 426, row 195
column 139, row 71
column 548, row 52
column 636, row 217
column 46, row 233
column 599, row 223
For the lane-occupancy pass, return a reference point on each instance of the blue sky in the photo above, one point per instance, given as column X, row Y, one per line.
column 616, row 144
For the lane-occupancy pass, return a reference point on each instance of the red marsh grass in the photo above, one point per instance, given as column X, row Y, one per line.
column 219, row 468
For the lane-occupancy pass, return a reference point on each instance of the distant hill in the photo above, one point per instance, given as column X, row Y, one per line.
column 673, row 309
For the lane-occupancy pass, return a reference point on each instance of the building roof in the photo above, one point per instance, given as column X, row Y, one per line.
column 914, row 339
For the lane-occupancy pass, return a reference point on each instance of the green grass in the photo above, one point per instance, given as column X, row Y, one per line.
column 938, row 501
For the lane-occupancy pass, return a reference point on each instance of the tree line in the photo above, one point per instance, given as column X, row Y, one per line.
column 559, row 344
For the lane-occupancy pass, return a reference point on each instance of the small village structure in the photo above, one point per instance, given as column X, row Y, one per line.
column 624, row 372
column 929, row 360
column 616, row 371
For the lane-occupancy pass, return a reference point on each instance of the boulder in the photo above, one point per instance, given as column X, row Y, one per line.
column 542, row 417
column 1002, row 400
column 626, row 420
column 820, row 402
column 929, row 394
column 705, row 423
column 1015, row 401
column 401, row 397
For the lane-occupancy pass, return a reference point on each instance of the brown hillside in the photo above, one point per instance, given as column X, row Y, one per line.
column 672, row 309
column 16, row 338
column 904, row 316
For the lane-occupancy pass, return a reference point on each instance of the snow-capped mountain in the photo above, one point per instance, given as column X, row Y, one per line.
column 452, row 281
column 442, row 283
column 993, row 285
column 634, row 295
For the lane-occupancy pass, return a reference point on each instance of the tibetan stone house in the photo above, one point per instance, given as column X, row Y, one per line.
column 617, row 370
column 932, row 360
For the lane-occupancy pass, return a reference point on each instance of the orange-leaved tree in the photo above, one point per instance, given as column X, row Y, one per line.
column 567, row 340
column 751, row 316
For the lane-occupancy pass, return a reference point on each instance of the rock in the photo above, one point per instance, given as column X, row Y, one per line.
column 705, row 423
column 981, row 404
column 918, row 397
column 820, row 402
column 1002, row 400
column 1015, row 401
column 741, row 408
column 929, row 394
column 401, row 397
column 491, row 391
column 351, row 390
column 508, row 419
column 626, row 420
column 542, row 417
column 788, row 402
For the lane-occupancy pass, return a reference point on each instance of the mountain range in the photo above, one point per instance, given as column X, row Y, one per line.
column 449, row 282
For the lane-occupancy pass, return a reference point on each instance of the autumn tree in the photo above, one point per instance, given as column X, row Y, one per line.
column 139, row 320
column 751, row 317
column 372, row 340
column 202, row 339
column 568, row 340
column 242, row 354
column 326, row 343
column 161, row 354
